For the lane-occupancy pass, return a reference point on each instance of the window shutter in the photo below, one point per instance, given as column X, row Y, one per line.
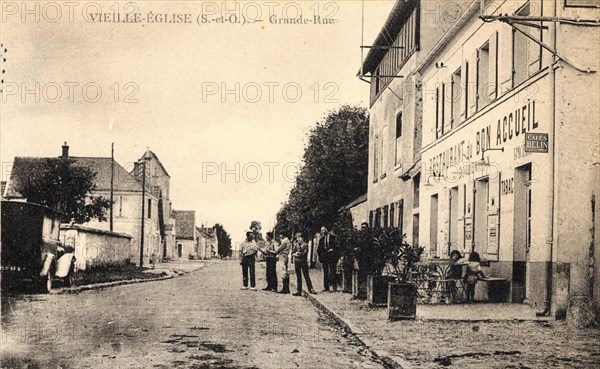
column 493, row 66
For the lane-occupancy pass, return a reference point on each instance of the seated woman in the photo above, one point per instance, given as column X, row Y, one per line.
column 474, row 272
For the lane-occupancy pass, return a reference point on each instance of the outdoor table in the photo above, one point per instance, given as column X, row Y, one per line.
column 437, row 282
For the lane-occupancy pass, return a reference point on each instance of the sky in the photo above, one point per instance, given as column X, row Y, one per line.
column 225, row 106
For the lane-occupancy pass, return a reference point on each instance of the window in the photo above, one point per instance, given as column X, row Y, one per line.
column 371, row 218
column 398, row 138
column 401, row 217
column 483, row 76
column 392, row 214
column 149, row 208
column 383, row 154
column 416, row 185
column 527, row 54
column 415, row 229
column 437, row 113
column 385, row 216
column 378, row 218
column 120, row 206
column 443, row 109
column 376, row 158
column 466, row 90
column 399, row 125
column 456, row 98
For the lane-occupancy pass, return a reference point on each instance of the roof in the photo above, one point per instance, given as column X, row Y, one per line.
column 399, row 13
column 123, row 181
column 359, row 200
column 185, row 223
column 206, row 232
column 152, row 155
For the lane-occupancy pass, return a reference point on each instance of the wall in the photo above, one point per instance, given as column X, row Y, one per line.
column 578, row 137
column 188, row 247
column 93, row 246
column 127, row 211
column 360, row 214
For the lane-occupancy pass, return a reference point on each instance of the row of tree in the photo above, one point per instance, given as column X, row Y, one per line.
column 334, row 171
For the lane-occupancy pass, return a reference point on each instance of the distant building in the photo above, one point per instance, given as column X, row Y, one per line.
column 186, row 235
column 208, row 244
column 158, row 181
column 127, row 196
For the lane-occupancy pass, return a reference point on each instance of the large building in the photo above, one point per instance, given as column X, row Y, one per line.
column 409, row 33
column 507, row 139
column 508, row 146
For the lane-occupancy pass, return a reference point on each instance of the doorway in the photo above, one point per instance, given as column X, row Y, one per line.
column 480, row 209
column 433, row 226
column 453, row 221
column 521, row 232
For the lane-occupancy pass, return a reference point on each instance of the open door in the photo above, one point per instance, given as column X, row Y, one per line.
column 521, row 232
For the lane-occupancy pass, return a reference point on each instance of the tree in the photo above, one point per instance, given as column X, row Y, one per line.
column 334, row 171
column 224, row 240
column 61, row 184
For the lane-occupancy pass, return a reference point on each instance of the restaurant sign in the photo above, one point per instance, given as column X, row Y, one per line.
column 536, row 142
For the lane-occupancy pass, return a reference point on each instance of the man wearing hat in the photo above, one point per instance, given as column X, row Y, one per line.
column 248, row 261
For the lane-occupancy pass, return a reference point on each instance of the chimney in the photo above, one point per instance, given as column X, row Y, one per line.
column 65, row 150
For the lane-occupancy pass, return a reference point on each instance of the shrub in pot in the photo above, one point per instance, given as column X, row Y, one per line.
column 361, row 242
column 385, row 242
column 402, row 295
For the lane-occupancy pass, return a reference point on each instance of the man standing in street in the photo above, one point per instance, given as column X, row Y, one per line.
column 269, row 251
column 328, row 252
column 248, row 261
column 283, row 256
column 300, row 254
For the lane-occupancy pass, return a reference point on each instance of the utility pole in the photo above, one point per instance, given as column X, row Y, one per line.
column 143, row 161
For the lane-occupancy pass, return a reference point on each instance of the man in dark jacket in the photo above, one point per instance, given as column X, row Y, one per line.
column 328, row 252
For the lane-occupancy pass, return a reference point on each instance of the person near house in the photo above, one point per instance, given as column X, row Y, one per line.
column 474, row 272
column 248, row 261
column 283, row 255
column 300, row 256
column 269, row 250
column 328, row 252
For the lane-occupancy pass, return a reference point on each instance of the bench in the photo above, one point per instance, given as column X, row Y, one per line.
column 498, row 289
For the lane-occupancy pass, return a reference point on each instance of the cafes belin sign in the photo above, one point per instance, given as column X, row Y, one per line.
column 536, row 142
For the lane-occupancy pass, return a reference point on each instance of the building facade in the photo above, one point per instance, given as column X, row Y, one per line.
column 410, row 31
column 158, row 181
column 186, row 235
column 510, row 148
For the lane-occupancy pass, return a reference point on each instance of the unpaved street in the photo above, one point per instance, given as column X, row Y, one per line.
column 199, row 320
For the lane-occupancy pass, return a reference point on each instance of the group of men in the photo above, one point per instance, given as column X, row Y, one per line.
column 279, row 252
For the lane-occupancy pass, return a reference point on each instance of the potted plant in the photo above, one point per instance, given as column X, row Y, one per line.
column 361, row 242
column 402, row 294
column 347, row 258
column 345, row 231
column 385, row 242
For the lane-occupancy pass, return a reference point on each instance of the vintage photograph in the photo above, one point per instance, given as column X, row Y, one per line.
column 300, row 184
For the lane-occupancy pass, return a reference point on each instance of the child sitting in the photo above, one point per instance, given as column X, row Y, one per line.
column 474, row 272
